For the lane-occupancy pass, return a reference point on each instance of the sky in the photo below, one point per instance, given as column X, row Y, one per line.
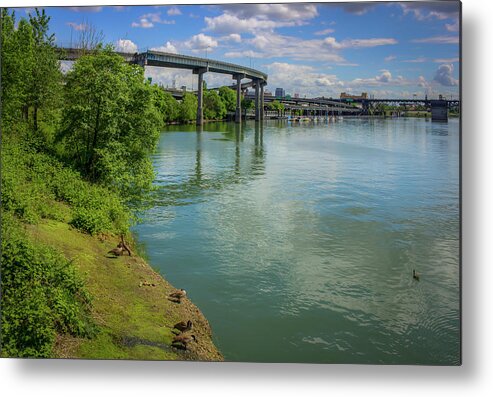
column 388, row 49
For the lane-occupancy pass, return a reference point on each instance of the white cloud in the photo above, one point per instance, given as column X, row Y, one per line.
column 143, row 23
column 324, row 32
column 240, row 18
column 446, row 60
column 234, row 37
column 331, row 42
column 86, row 9
column 302, row 79
column 179, row 77
column 385, row 77
column 431, row 10
column 364, row 43
column 422, row 82
column 357, row 8
column 227, row 23
column 286, row 12
column 201, row 42
column 452, row 27
column 416, row 60
column 444, row 75
column 174, row 11
column 438, row 40
column 244, row 54
column 124, row 45
column 273, row 45
column 149, row 20
column 390, row 58
column 168, row 47
column 77, row 26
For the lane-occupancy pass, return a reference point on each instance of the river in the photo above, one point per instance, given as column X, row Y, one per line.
column 298, row 242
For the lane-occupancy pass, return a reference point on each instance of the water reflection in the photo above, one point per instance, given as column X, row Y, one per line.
column 314, row 224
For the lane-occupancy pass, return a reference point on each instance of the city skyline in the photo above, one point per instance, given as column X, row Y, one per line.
column 387, row 49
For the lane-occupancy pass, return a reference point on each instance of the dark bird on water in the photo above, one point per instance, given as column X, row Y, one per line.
column 415, row 275
column 183, row 326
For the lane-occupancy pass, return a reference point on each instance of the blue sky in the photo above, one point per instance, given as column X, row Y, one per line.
column 385, row 49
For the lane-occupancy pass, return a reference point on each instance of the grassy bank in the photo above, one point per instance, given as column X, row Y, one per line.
column 62, row 294
column 133, row 320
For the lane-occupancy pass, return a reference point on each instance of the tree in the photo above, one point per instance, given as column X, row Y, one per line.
column 110, row 122
column 165, row 104
column 228, row 96
column 46, row 76
column 214, row 108
column 17, row 64
column 187, row 109
column 247, row 104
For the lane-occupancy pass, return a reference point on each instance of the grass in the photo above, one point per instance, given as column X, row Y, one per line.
column 133, row 321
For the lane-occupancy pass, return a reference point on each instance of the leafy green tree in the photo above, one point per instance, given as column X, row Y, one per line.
column 228, row 96
column 187, row 109
column 45, row 84
column 247, row 104
column 17, row 64
column 31, row 79
column 110, row 123
column 165, row 104
column 214, row 108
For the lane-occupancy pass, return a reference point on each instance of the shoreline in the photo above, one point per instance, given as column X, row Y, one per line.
column 130, row 305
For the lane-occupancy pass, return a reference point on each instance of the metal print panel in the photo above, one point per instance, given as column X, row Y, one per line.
column 234, row 182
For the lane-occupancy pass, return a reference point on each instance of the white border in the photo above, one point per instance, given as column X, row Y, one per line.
column 114, row 378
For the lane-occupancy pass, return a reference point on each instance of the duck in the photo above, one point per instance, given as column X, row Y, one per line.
column 181, row 341
column 118, row 251
column 178, row 294
column 183, row 326
column 415, row 275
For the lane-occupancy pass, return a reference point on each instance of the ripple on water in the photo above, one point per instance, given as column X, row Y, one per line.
column 310, row 233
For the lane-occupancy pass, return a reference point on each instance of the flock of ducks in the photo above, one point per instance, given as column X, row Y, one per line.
column 182, row 337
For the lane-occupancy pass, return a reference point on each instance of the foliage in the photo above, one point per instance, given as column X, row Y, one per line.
column 31, row 79
column 110, row 123
column 276, row 105
column 34, row 186
column 165, row 104
column 214, row 108
column 228, row 97
column 187, row 109
column 247, row 104
column 41, row 296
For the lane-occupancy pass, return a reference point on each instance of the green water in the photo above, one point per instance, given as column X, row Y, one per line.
column 298, row 241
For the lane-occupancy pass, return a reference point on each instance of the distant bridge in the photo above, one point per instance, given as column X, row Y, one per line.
column 199, row 66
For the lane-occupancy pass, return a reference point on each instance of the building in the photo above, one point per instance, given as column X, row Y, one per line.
column 363, row 95
column 280, row 93
column 267, row 93
column 296, row 95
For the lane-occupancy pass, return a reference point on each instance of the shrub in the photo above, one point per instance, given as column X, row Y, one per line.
column 41, row 295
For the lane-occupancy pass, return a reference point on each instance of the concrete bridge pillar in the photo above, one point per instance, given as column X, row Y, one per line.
column 257, row 100
column 262, row 101
column 439, row 110
column 238, row 78
column 200, row 95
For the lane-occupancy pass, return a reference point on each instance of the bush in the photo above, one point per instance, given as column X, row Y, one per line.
column 34, row 183
column 41, row 295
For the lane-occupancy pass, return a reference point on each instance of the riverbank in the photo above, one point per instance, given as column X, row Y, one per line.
column 130, row 305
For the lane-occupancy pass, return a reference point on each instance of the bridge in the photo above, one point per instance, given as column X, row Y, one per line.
column 314, row 106
column 199, row 66
column 439, row 107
